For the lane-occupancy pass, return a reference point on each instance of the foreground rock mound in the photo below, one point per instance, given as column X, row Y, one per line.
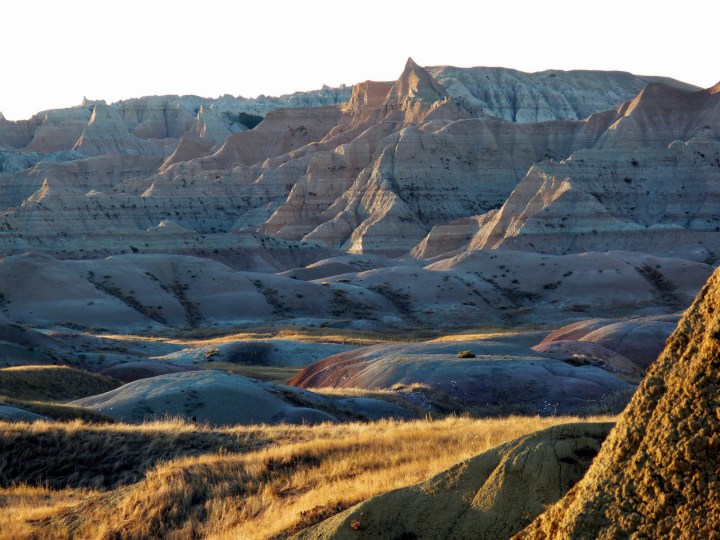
column 657, row 474
column 489, row 496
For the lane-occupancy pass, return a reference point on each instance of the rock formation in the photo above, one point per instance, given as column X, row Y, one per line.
column 374, row 174
column 547, row 95
column 656, row 475
column 648, row 183
column 488, row 497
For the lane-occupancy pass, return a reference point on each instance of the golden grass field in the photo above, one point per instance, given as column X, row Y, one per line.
column 212, row 336
column 46, row 389
column 178, row 480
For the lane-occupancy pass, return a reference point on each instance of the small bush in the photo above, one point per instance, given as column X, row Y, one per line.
column 465, row 354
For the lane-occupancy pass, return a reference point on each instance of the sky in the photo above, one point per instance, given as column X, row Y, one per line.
column 54, row 53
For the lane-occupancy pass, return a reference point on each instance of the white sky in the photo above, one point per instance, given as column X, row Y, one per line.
column 55, row 52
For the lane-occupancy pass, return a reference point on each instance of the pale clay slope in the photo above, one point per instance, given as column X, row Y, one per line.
column 132, row 292
column 487, row 497
column 221, row 399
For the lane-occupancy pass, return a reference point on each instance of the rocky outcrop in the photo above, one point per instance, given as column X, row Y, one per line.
column 521, row 97
column 106, row 133
column 373, row 175
column 635, row 188
column 423, row 162
column 656, row 476
column 490, row 496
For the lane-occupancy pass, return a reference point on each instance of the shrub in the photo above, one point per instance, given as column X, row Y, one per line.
column 465, row 354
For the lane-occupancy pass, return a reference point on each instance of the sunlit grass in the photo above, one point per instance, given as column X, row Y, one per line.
column 262, row 482
column 274, row 374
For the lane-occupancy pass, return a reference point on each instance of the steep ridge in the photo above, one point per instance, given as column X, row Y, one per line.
column 637, row 188
column 656, row 476
column 423, row 160
column 521, row 97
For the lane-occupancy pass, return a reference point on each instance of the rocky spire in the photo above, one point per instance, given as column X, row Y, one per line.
column 417, row 84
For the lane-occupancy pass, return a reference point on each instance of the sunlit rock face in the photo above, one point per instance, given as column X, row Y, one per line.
column 656, row 475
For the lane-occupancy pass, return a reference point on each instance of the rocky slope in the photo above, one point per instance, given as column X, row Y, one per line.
column 656, row 476
column 488, row 497
column 521, row 97
column 373, row 175
column 137, row 291
column 649, row 183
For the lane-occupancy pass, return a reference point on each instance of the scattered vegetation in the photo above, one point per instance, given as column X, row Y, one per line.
column 662, row 289
column 211, row 353
column 244, row 119
column 250, row 482
column 44, row 390
column 192, row 311
column 274, row 374
column 127, row 299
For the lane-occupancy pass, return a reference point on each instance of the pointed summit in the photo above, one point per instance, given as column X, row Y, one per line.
column 417, row 84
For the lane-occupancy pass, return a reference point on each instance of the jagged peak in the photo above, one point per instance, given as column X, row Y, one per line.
column 416, row 83
column 92, row 102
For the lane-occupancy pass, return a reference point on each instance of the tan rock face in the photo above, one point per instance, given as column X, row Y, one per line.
column 106, row 133
column 419, row 161
column 656, row 476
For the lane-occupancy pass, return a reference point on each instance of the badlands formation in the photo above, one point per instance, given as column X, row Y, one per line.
column 448, row 200
column 473, row 241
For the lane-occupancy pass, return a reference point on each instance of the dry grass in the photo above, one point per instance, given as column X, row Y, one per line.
column 263, row 482
column 215, row 336
column 488, row 333
column 274, row 374
column 52, row 383
column 45, row 389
